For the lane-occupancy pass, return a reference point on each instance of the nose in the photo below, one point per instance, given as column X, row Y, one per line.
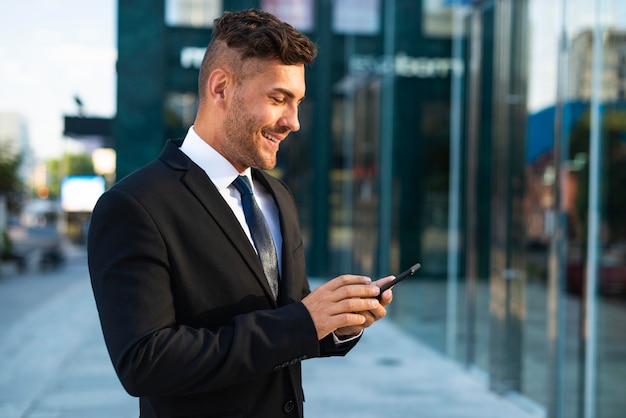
column 290, row 118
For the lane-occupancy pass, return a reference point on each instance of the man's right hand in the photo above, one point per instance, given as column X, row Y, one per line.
column 337, row 303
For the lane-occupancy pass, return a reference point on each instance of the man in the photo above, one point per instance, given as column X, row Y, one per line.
column 191, row 322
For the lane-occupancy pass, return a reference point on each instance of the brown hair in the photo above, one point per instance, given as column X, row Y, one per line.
column 254, row 33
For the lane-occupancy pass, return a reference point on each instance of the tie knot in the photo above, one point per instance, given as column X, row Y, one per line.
column 242, row 184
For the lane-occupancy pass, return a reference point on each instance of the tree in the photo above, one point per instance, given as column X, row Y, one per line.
column 11, row 184
column 69, row 165
column 613, row 169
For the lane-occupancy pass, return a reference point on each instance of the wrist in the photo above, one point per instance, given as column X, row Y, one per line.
column 346, row 334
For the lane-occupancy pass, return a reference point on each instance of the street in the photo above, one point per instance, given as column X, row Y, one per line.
column 53, row 360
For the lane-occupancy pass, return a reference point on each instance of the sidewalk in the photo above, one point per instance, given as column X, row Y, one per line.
column 54, row 365
column 390, row 374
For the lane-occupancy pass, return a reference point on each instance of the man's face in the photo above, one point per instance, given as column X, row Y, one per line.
column 263, row 111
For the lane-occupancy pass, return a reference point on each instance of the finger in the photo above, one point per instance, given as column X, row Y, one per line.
column 386, row 297
column 370, row 318
column 347, row 320
column 355, row 305
column 357, row 291
column 350, row 291
column 349, row 324
column 374, row 315
column 384, row 280
column 377, row 313
column 346, row 280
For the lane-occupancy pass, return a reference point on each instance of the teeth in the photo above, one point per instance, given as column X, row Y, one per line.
column 268, row 136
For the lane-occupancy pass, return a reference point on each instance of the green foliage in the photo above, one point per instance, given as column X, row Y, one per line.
column 6, row 247
column 10, row 162
column 79, row 165
column 613, row 170
column 69, row 165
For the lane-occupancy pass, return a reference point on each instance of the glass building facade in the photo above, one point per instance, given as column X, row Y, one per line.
column 484, row 139
column 536, row 280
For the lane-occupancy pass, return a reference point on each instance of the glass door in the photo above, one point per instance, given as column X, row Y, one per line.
column 478, row 174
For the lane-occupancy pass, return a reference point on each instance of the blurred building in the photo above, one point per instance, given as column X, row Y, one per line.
column 484, row 139
column 613, row 79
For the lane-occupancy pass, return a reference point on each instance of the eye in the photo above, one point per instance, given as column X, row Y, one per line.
column 278, row 100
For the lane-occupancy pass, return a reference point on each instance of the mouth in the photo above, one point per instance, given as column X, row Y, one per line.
column 273, row 139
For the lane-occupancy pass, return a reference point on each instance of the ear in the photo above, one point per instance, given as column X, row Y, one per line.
column 218, row 81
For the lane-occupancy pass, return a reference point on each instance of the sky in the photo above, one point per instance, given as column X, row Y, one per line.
column 51, row 51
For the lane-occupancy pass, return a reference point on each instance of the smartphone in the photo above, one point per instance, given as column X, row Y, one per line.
column 399, row 278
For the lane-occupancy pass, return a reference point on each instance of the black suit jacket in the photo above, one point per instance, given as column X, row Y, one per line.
column 187, row 314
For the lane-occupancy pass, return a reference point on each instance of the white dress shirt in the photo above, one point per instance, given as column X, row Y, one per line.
column 222, row 174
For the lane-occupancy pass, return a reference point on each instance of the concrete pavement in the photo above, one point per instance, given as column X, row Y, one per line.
column 53, row 364
column 390, row 374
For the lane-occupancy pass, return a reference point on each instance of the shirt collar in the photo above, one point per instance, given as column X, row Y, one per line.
column 219, row 169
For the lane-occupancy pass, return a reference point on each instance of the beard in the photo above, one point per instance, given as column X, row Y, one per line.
column 244, row 145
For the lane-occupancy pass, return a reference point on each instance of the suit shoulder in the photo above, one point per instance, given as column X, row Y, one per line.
column 275, row 182
column 154, row 174
column 170, row 164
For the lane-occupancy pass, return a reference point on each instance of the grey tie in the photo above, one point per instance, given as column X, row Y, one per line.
column 260, row 232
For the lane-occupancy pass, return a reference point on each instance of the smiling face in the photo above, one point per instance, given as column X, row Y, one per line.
column 263, row 110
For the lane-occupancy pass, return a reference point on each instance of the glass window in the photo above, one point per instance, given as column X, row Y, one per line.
column 354, row 17
column 192, row 13
column 180, row 112
column 437, row 18
column 610, row 268
column 298, row 13
column 540, row 108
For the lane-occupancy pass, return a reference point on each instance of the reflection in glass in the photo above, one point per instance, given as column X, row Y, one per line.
column 610, row 358
column 192, row 13
column 180, row 110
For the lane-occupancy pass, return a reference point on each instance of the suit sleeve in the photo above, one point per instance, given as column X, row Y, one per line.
column 155, row 354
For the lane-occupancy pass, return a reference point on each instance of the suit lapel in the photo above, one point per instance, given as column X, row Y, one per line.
column 198, row 183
